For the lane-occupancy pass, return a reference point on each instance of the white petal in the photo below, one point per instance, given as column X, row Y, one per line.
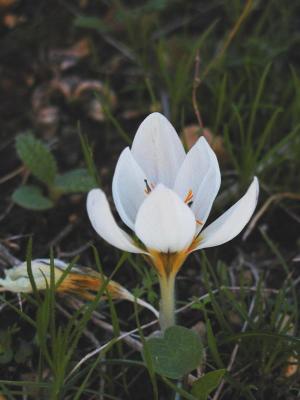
column 195, row 167
column 232, row 221
column 200, row 173
column 104, row 223
column 158, row 149
column 128, row 187
column 164, row 223
column 206, row 195
column 57, row 262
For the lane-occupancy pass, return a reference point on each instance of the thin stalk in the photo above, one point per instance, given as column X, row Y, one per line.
column 167, row 302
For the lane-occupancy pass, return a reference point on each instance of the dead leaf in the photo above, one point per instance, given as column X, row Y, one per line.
column 66, row 58
column 131, row 114
column 292, row 367
column 12, row 20
column 7, row 3
column 85, row 93
column 191, row 134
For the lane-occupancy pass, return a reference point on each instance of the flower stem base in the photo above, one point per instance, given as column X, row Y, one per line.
column 167, row 302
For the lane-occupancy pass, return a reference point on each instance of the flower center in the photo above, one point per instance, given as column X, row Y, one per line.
column 189, row 201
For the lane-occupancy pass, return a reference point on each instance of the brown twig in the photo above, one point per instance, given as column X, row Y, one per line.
column 11, row 204
column 76, row 252
column 8, row 257
column 12, row 174
column 196, row 84
column 97, row 319
column 124, row 336
column 7, row 210
column 263, row 209
column 61, row 235
column 86, row 332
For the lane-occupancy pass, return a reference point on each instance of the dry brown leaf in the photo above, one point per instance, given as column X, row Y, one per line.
column 66, row 58
column 7, row 3
column 131, row 114
column 83, row 3
column 85, row 92
column 12, row 20
column 191, row 134
column 292, row 367
column 200, row 328
column 80, row 49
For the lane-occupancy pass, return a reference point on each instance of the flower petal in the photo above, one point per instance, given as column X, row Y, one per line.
column 128, row 187
column 230, row 224
column 158, row 149
column 104, row 223
column 199, row 173
column 164, row 223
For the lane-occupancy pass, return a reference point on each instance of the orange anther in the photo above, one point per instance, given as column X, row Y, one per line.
column 189, row 196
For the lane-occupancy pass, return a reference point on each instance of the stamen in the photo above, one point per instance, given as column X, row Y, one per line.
column 148, row 188
column 199, row 222
column 189, row 197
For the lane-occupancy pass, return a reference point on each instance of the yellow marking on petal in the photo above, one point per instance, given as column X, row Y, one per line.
column 194, row 244
column 199, row 222
column 167, row 264
column 87, row 286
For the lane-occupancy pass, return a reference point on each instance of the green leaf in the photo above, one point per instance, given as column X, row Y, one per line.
column 212, row 344
column 36, row 157
column 91, row 23
column 23, row 352
column 6, row 353
column 78, row 180
column 207, row 383
column 177, row 353
column 32, row 198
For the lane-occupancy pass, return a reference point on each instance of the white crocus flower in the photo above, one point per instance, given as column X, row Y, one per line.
column 165, row 196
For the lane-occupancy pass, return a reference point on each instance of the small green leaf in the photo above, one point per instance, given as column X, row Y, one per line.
column 23, row 352
column 36, row 157
column 177, row 353
column 32, row 198
column 6, row 353
column 91, row 23
column 207, row 383
column 74, row 181
column 212, row 344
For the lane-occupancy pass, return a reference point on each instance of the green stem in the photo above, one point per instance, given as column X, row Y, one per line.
column 167, row 302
